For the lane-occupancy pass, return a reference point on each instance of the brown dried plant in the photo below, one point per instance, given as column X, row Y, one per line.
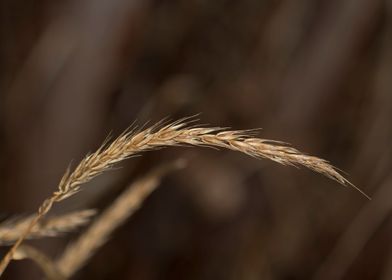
column 44, row 262
column 78, row 252
column 174, row 134
column 12, row 229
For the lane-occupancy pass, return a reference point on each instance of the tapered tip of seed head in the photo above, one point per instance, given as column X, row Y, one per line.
column 348, row 183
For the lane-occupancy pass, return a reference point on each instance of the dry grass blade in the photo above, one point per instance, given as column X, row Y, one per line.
column 46, row 264
column 78, row 253
column 174, row 134
column 12, row 229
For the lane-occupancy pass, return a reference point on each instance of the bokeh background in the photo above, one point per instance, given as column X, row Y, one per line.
column 314, row 73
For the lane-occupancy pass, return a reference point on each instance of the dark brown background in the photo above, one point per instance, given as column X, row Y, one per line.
column 314, row 73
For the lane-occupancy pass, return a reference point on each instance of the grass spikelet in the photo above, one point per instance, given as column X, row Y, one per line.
column 12, row 229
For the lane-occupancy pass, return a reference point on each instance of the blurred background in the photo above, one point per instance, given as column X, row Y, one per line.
column 313, row 73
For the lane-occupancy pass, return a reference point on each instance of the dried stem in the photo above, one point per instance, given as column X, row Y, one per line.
column 78, row 253
column 46, row 264
column 174, row 134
